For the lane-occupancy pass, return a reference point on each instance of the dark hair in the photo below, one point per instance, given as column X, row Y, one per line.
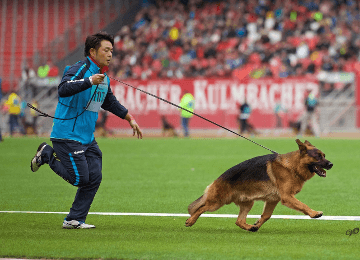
column 94, row 41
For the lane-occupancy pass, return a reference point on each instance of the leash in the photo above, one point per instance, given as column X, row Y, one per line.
column 47, row 115
column 166, row 101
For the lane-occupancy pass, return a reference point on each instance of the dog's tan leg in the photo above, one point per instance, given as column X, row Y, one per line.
column 267, row 212
column 207, row 207
column 191, row 221
column 245, row 207
column 293, row 203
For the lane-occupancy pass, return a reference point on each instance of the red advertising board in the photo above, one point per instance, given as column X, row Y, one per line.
column 215, row 99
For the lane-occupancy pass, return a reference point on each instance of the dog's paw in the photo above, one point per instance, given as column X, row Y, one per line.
column 188, row 223
column 254, row 228
column 317, row 215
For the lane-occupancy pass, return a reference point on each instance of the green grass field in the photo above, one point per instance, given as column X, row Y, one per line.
column 164, row 176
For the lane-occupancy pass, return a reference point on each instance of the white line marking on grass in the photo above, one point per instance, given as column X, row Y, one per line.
column 353, row 218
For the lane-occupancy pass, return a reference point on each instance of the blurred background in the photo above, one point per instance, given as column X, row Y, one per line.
column 262, row 61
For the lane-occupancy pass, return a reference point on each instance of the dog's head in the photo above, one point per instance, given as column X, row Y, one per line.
column 314, row 158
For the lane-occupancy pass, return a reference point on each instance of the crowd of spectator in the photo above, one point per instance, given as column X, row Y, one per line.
column 239, row 38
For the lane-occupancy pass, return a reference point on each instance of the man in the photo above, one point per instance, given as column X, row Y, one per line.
column 311, row 103
column 187, row 102
column 84, row 88
column 245, row 111
column 13, row 105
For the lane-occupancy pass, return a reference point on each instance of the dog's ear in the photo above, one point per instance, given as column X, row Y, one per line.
column 307, row 143
column 302, row 147
column 298, row 142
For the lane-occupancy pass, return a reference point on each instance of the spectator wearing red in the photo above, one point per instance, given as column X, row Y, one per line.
column 53, row 69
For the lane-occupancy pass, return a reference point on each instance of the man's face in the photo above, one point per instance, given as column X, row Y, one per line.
column 104, row 54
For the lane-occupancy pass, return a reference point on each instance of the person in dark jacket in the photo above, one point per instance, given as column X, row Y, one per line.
column 244, row 115
column 309, row 117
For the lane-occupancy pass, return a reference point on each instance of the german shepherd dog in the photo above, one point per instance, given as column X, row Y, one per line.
column 271, row 178
column 167, row 128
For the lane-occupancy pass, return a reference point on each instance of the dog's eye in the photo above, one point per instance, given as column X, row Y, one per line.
column 320, row 156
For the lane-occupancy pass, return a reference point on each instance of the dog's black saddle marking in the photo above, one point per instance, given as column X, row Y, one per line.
column 253, row 169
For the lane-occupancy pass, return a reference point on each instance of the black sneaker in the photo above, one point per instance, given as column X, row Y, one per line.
column 36, row 160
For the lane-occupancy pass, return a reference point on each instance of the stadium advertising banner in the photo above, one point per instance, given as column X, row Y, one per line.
column 215, row 99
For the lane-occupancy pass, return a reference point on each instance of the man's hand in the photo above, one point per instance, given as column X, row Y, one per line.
column 134, row 126
column 136, row 129
column 97, row 79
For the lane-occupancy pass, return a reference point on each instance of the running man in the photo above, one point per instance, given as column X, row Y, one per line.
column 75, row 155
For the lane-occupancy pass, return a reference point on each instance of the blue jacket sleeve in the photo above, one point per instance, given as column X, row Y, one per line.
column 73, row 81
column 112, row 105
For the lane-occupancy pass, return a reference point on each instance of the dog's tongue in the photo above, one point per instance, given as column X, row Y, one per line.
column 319, row 171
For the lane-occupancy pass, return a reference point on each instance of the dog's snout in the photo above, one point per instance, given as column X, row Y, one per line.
column 329, row 165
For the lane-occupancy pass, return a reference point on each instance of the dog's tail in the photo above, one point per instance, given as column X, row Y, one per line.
column 193, row 207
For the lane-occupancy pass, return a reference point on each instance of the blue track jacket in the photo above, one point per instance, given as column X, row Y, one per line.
column 75, row 92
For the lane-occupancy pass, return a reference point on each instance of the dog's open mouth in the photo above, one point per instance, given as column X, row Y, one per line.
column 318, row 170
